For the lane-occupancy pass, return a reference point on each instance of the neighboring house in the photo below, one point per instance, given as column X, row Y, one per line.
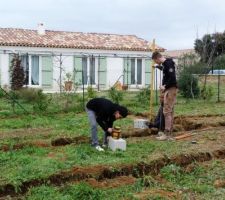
column 94, row 59
column 176, row 54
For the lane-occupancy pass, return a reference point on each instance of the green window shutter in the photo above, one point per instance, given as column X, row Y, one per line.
column 0, row 71
column 147, row 72
column 102, row 72
column 78, row 70
column 47, row 71
column 127, row 71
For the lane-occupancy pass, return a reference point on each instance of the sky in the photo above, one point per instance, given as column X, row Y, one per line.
column 174, row 24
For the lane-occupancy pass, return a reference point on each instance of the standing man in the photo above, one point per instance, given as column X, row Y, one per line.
column 169, row 88
column 103, row 112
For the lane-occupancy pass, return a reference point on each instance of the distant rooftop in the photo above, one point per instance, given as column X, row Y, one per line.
column 178, row 53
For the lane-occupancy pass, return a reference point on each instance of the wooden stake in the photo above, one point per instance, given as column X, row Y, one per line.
column 152, row 82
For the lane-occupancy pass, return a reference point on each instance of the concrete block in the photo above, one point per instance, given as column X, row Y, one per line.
column 117, row 144
column 140, row 123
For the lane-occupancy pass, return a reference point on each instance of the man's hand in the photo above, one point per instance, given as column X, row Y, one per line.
column 157, row 66
column 162, row 88
column 110, row 130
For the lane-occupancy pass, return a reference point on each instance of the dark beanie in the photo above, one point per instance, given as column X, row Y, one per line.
column 123, row 111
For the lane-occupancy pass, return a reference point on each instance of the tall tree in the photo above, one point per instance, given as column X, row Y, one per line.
column 17, row 76
column 210, row 46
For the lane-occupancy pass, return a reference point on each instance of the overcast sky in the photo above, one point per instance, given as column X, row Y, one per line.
column 173, row 23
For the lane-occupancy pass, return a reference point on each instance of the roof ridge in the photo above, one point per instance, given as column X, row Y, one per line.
column 67, row 31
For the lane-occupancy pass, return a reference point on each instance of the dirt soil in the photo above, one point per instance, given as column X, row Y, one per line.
column 157, row 192
column 101, row 172
column 24, row 132
column 66, row 141
column 112, row 183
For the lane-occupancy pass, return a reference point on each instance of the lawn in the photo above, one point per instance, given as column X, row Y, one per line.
column 40, row 160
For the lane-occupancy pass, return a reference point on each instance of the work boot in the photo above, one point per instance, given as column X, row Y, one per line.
column 161, row 136
column 169, row 135
column 164, row 136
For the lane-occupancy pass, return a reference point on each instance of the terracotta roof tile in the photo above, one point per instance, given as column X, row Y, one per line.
column 178, row 53
column 75, row 40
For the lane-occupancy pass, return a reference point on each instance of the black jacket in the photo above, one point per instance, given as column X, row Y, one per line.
column 169, row 74
column 104, row 110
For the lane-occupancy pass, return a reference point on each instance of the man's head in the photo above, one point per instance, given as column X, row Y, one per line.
column 121, row 112
column 158, row 58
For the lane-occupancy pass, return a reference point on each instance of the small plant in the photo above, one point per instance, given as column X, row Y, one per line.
column 207, row 92
column 72, row 103
column 1, row 94
column 68, row 76
column 42, row 102
column 68, row 82
column 143, row 96
column 84, row 191
column 91, row 93
column 29, row 95
column 115, row 95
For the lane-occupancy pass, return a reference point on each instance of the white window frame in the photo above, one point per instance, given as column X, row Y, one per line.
column 142, row 73
column 88, row 73
column 30, row 68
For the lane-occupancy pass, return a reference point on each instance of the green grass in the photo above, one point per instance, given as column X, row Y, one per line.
column 33, row 163
column 198, row 183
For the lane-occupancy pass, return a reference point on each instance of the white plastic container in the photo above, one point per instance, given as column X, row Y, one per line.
column 115, row 144
column 140, row 123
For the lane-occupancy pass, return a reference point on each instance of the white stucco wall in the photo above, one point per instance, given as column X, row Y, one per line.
column 4, row 69
column 114, row 62
column 114, row 70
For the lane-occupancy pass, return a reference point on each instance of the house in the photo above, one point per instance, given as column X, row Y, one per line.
column 94, row 59
column 176, row 54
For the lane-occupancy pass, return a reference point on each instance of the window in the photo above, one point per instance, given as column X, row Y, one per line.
column 92, row 71
column 139, row 71
column 133, row 80
column 89, row 72
column 34, row 70
column 84, row 67
column 136, row 71
column 25, row 65
column 30, row 65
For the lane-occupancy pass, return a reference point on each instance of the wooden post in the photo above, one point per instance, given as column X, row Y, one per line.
column 152, row 82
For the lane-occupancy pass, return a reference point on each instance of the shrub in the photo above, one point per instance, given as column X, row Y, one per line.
column 91, row 93
column 115, row 95
column 220, row 62
column 42, row 102
column 71, row 103
column 143, row 96
column 29, row 95
column 17, row 79
column 188, row 85
column 1, row 94
column 206, row 92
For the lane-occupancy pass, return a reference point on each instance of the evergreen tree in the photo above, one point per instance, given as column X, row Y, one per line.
column 17, row 76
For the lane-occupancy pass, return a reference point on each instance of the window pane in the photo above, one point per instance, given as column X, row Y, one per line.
column 92, row 71
column 139, row 71
column 25, row 65
column 34, row 70
column 132, row 71
column 84, row 67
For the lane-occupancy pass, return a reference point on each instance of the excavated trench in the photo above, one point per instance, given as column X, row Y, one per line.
column 182, row 124
column 101, row 173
